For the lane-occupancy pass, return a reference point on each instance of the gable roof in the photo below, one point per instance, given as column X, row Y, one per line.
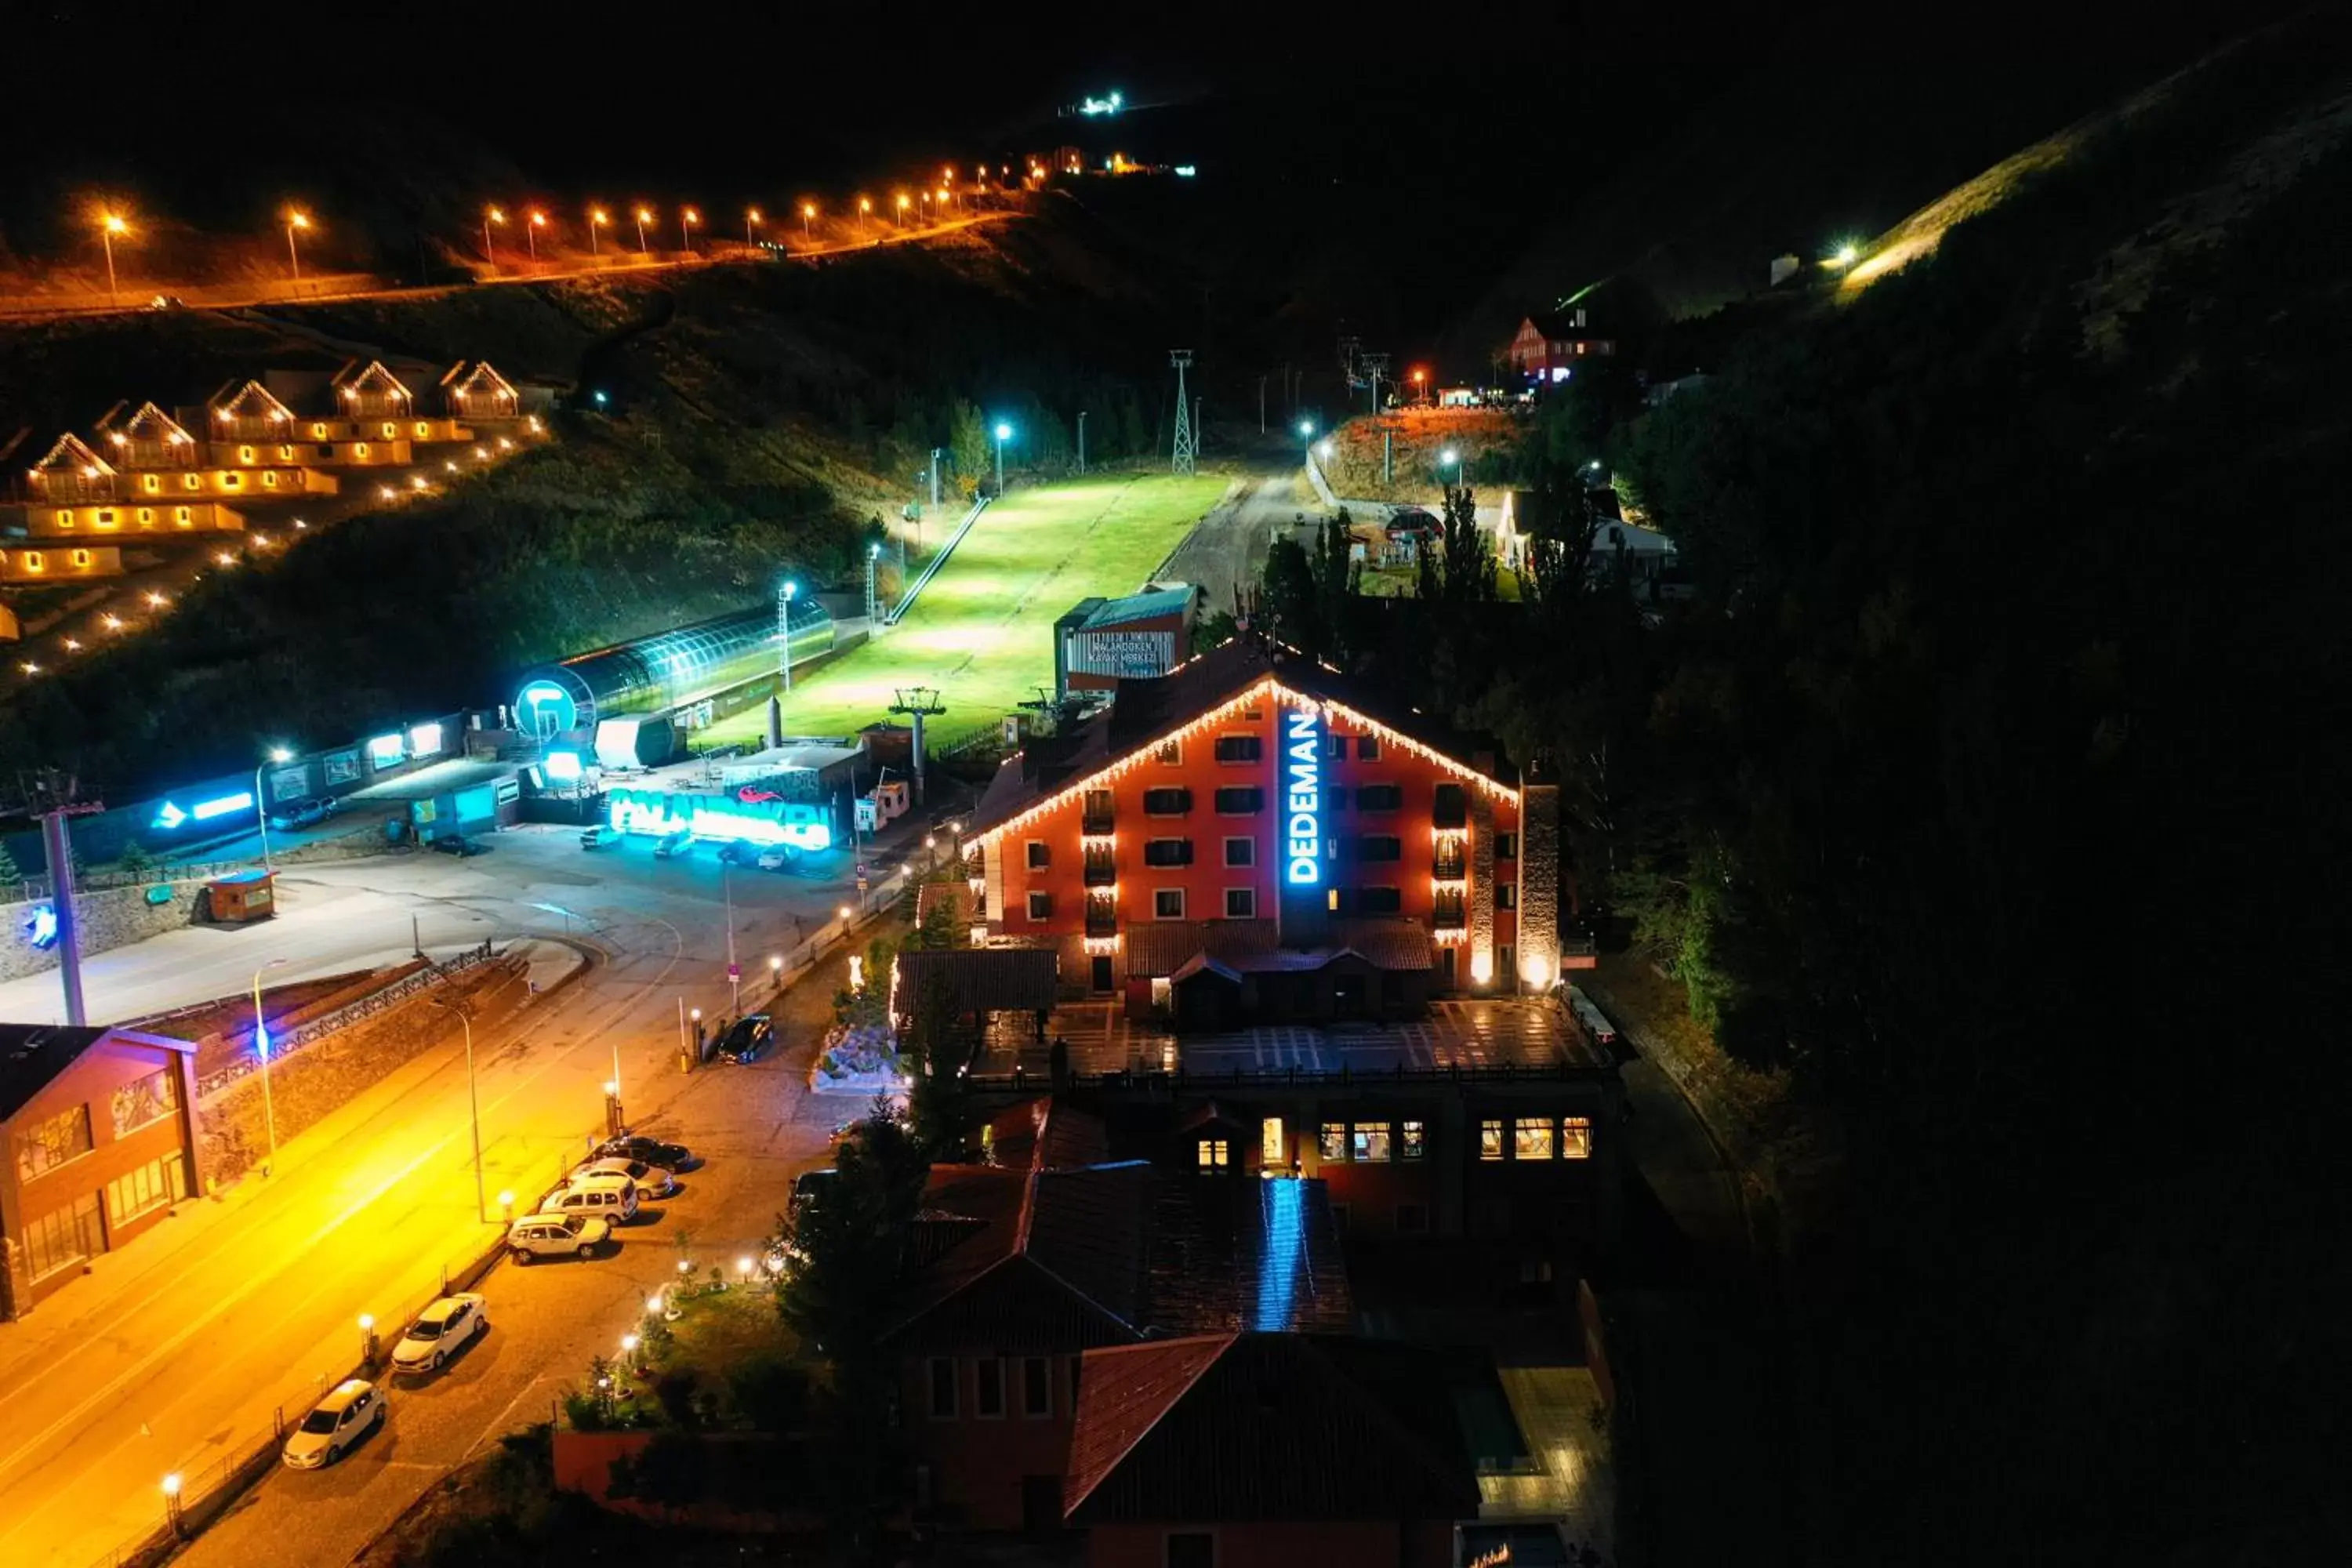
column 479, row 378
column 72, row 452
column 1261, row 1427
column 371, row 377
column 150, row 422
column 1047, row 1133
column 1204, row 690
column 248, row 400
column 33, row 1055
column 1153, row 601
column 979, row 978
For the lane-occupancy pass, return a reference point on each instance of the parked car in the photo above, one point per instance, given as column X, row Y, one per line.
column 748, row 1040
column 556, row 1235
column 609, row 1197
column 353, row 1409
column 166, row 303
column 779, row 856
column 299, row 814
column 1591, row 1019
column 459, row 845
column 598, row 837
column 652, row 1151
column 675, row 846
column 738, row 852
column 810, row 1186
column 440, row 1332
column 653, row 1181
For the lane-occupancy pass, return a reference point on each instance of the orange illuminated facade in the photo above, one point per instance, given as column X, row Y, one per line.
column 1249, row 836
column 158, row 517
column 51, row 565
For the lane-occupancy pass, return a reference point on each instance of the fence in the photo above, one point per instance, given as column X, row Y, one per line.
column 99, row 880
column 1181, row 1079
column 366, row 1007
column 818, row 945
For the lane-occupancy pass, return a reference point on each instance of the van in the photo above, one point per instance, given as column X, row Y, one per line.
column 675, row 846
column 1594, row 1023
column 604, row 1197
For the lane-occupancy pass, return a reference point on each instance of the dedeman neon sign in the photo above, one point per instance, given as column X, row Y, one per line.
column 1302, row 750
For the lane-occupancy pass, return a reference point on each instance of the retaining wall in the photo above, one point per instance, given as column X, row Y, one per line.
column 109, row 917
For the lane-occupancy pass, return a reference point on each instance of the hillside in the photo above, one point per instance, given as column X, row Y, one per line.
column 760, row 422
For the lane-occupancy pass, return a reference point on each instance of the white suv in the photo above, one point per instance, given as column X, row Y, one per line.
column 652, row 1181
column 440, row 1332
column 556, row 1235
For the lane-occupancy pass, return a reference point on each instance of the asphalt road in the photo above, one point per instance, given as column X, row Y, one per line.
column 1230, row 544
column 176, row 1353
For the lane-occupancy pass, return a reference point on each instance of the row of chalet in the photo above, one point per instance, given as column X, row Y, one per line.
column 1166, row 1356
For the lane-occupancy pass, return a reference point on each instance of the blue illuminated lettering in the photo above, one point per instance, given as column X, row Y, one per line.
column 795, row 823
column 206, row 810
column 1303, row 797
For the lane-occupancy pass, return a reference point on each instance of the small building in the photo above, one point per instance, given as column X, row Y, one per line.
column 70, row 471
column 342, row 450
column 100, row 1128
column 150, row 439
column 247, row 411
column 371, row 392
column 1548, row 347
column 241, row 897
column 157, row 518
column 1237, row 1450
column 1099, row 642
column 50, row 564
column 477, row 392
column 288, row 482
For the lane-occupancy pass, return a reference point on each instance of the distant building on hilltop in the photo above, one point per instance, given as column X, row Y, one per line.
column 1546, row 347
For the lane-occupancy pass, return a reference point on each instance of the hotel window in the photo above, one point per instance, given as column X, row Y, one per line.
column 1215, row 1154
column 65, row 521
column 1372, row 1142
column 1168, row 852
column 423, row 430
column 1380, row 847
column 1490, row 1140
column 1531, row 1138
column 1451, row 807
column 146, row 1100
column 107, row 519
column 34, row 561
column 285, row 454
column 1506, row 846
column 1335, row 748
column 150, row 1186
column 1368, row 748
column 1379, row 798
column 1241, row 903
column 1413, row 1142
column 1036, row 1387
column 44, row 1146
column 269, row 478
column 317, row 432
column 154, row 482
column 360, row 450
column 988, row 1393
column 82, row 558
column 1576, row 1138
column 1270, row 1144
column 1240, row 749
column 943, row 1389
column 391, row 431
column 1378, row 901
column 1040, row 906
column 1167, row 801
column 146, row 516
column 1334, row 1141
column 185, row 517
column 245, row 454
column 233, row 480
column 1507, row 895
column 1169, row 751
column 1241, row 851
column 1040, row 857
column 1240, row 802
column 63, row 1238
column 191, row 481
column 1168, row 903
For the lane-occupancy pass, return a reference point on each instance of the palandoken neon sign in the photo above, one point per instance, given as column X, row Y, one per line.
column 719, row 817
column 1302, row 748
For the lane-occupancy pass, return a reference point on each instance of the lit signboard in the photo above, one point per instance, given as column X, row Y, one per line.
column 563, row 767
column 1110, row 105
column 545, row 709
column 1302, row 766
column 386, row 750
column 717, row 816
column 41, row 927
column 424, row 741
column 171, row 813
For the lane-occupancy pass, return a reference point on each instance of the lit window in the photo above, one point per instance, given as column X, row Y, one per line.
column 1490, row 1140
column 154, row 482
column 150, row 1187
column 106, row 518
column 146, row 516
column 391, row 431
column 1241, row 903
column 232, row 481
column 81, row 557
column 1215, row 1154
column 35, row 561
column 1270, row 1144
column 1576, row 1138
column 1413, row 1143
column 1371, row 1142
column 1334, row 1141
column 245, row 454
column 1168, row 903
column 360, row 450
column 183, row 517
column 317, row 432
column 1507, row 896
column 145, row 1100
column 285, row 454
column 1170, row 752
column 423, row 430
column 46, row 1145
column 269, row 478
column 65, row 520
column 1531, row 1138
column 1506, row 846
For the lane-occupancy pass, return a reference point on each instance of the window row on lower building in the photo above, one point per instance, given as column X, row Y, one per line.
column 991, row 1388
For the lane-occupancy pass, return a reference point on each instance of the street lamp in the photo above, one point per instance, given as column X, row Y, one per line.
column 644, row 216
column 473, row 1102
column 1450, row 459
column 597, row 218
column 111, row 224
column 490, row 216
column 296, row 219
column 808, row 216
column 172, row 1502
column 1004, row 434
column 530, row 232
column 750, row 221
column 369, row 1344
column 262, row 801
column 261, row 1048
column 902, row 209
column 865, row 206
column 784, row 597
column 686, row 218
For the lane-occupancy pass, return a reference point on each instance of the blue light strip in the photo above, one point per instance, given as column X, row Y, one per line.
column 1285, row 1241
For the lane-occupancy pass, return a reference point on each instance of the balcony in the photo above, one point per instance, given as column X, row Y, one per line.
column 1102, row 918
column 1451, row 866
column 1101, row 872
column 1098, row 824
column 1449, row 915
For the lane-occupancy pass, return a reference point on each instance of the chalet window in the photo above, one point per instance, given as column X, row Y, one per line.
column 245, row 454
column 1036, row 1387
column 1240, row 802
column 1241, row 851
column 1413, row 1141
column 1040, row 857
column 106, row 518
column 1040, row 906
column 183, row 517
column 1378, row 901
column 65, row 517
column 1379, row 798
column 1507, row 895
column 146, row 1100
column 1334, row 1141
column 1576, row 1138
column 359, row 449
column 1167, row 801
column 1240, row 749
column 191, row 481
column 1215, row 1154
column 1168, row 852
column 234, row 481
column 988, row 1393
column 155, row 482
column 1531, row 1138
column 1241, row 903
column 1368, row 748
column 1171, row 752
column 81, row 557
column 285, row 454
column 1168, row 903
column 943, row 1389
column 1490, row 1140
column 46, row 1145
column 146, row 516
column 1370, row 1143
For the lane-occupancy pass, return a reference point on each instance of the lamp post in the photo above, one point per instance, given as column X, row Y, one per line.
column 1305, row 436
column 1451, row 461
column 612, row 1108
column 530, row 232
column 865, row 206
column 750, row 222
column 644, row 216
column 490, row 216
column 262, row 801
column 686, row 218
column 808, row 216
column 369, row 1344
column 171, row 1503
column 261, row 1048
column 597, row 218
column 734, row 970
column 296, row 220
column 1004, row 434
column 785, row 596
column 473, row 1104
column 902, row 209
column 108, row 226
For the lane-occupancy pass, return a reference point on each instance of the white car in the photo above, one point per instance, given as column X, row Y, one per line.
column 440, row 1332
column 556, row 1235
column 334, row 1425
column 652, row 1180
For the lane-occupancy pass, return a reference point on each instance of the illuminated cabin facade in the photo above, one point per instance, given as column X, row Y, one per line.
column 1250, row 837
column 156, row 517
column 371, row 392
column 50, row 564
column 477, row 392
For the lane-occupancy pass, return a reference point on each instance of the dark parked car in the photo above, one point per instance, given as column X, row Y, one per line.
column 749, row 1040
column 453, row 845
column 652, row 1151
column 298, row 814
column 810, row 1185
column 739, row 852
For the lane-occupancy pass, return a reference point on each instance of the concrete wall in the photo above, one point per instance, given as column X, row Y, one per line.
column 110, row 918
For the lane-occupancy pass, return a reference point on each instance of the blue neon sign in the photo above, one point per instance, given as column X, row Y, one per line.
column 41, row 927
column 796, row 823
column 170, row 816
column 1303, row 796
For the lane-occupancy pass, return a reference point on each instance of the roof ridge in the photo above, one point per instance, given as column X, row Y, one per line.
column 1225, row 1343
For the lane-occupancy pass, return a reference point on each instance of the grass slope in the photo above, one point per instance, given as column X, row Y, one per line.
column 982, row 631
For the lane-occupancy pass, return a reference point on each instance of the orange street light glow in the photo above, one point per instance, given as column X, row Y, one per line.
column 539, row 220
column 644, row 215
column 113, row 224
column 599, row 215
column 299, row 220
column 693, row 216
column 495, row 216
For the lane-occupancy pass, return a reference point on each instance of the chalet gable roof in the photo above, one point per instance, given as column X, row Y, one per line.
column 72, row 452
column 372, row 377
column 248, row 400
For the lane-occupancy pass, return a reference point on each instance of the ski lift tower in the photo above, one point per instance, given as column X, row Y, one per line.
column 919, row 702
column 54, row 799
column 1188, row 444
